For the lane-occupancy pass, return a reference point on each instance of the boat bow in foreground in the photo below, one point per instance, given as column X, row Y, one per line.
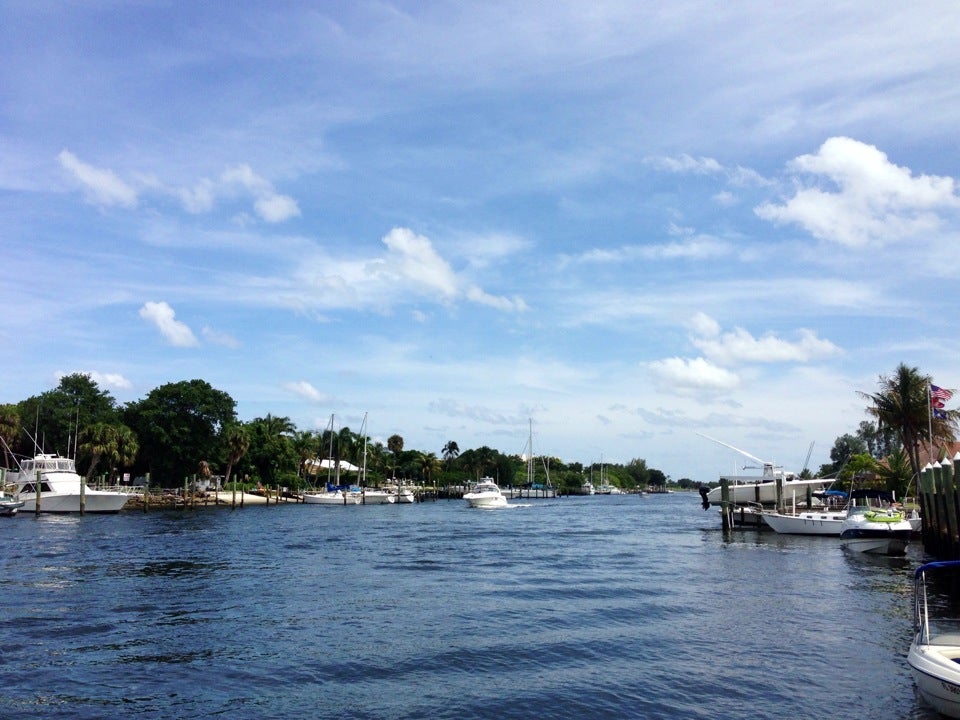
column 934, row 656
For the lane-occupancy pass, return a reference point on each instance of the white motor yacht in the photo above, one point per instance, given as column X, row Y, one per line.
column 485, row 494
column 61, row 488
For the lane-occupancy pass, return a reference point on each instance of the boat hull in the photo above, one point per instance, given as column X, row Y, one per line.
column 876, row 541
column 486, row 503
column 765, row 492
column 336, row 498
column 937, row 675
column 93, row 502
column 806, row 523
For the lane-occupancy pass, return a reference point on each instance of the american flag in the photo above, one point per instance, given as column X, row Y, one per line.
column 939, row 393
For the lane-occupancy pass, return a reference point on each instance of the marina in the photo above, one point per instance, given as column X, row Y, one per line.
column 283, row 612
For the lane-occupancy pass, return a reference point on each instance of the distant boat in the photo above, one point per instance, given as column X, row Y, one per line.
column 934, row 654
column 61, row 488
column 485, row 494
column 333, row 493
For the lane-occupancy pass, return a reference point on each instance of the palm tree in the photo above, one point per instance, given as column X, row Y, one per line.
column 429, row 464
column 9, row 429
column 903, row 405
column 395, row 446
column 450, row 451
column 113, row 442
column 99, row 440
column 238, row 442
column 304, row 442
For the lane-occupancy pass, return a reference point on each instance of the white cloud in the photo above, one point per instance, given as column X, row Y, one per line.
column 268, row 204
column 413, row 257
column 739, row 346
column 687, row 164
column 877, row 201
column 102, row 187
column 692, row 374
column 164, row 318
column 480, row 297
column 306, row 390
column 115, row 381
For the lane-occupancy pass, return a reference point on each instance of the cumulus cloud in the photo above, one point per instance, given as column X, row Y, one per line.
column 696, row 374
column 268, row 204
column 306, row 390
column 101, row 187
column 739, row 346
column 414, row 257
column 105, row 188
column 410, row 269
column 115, row 381
column 163, row 317
column 866, row 199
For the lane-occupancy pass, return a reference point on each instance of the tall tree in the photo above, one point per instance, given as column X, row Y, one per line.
column 9, row 430
column 55, row 416
column 237, row 441
column 450, row 451
column 395, row 446
column 178, row 425
column 902, row 404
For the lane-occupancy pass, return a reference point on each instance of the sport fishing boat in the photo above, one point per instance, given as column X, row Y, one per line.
column 485, row 494
column 934, row 655
column 874, row 525
column 61, row 489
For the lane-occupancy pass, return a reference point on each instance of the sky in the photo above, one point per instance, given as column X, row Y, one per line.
column 627, row 225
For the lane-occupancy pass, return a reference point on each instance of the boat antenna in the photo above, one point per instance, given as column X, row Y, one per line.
column 33, row 439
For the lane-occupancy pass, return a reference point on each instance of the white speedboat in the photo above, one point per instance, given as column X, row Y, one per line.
column 485, row 494
column 873, row 525
column 333, row 495
column 934, row 655
column 62, row 490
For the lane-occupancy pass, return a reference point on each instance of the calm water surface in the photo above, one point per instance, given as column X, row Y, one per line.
column 600, row 607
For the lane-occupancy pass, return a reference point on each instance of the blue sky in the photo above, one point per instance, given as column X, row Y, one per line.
column 631, row 222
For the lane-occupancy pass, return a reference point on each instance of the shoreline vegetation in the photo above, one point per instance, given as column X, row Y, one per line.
column 190, row 430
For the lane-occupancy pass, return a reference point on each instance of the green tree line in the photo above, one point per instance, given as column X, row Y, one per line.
column 189, row 428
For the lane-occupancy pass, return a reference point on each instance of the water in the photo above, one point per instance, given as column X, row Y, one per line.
column 601, row 607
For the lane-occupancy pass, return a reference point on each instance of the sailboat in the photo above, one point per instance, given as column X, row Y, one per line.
column 333, row 493
column 532, row 488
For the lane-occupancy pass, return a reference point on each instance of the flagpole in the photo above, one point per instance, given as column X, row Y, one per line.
column 930, row 420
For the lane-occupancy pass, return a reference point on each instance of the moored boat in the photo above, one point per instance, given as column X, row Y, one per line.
column 9, row 504
column 61, row 489
column 934, row 655
column 333, row 495
column 813, row 522
column 874, row 525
